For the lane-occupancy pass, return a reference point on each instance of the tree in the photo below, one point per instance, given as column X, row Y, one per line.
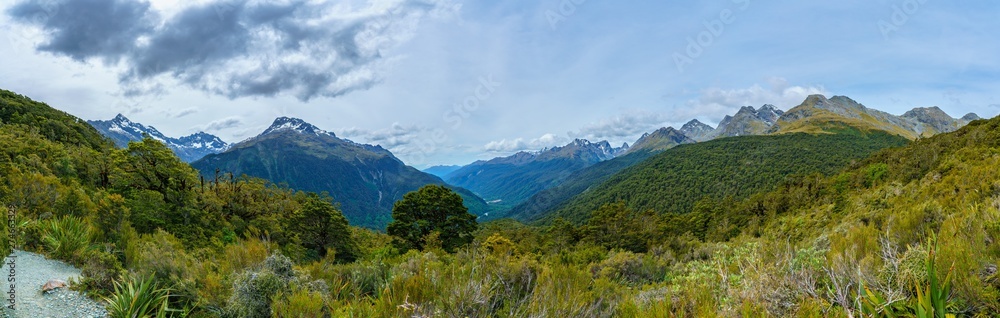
column 432, row 209
column 614, row 226
column 321, row 226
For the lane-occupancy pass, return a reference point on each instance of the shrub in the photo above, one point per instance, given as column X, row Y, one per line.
column 255, row 290
column 162, row 256
column 66, row 238
column 632, row 269
column 302, row 303
column 140, row 298
column 100, row 271
column 252, row 294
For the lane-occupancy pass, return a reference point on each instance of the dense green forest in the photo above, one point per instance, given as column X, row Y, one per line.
column 734, row 168
column 908, row 231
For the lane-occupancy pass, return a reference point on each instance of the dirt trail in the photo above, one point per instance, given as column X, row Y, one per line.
column 31, row 272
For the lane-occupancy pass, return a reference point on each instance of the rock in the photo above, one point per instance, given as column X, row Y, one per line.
column 52, row 284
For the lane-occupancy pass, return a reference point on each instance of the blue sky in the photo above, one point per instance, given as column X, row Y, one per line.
column 449, row 82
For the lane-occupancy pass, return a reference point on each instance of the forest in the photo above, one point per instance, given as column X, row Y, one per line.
column 907, row 231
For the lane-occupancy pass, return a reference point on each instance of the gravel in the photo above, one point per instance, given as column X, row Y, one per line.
column 31, row 272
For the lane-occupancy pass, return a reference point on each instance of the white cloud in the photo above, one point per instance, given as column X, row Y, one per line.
column 710, row 106
column 631, row 123
column 519, row 144
column 395, row 138
column 778, row 93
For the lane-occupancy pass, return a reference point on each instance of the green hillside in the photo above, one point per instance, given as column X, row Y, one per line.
column 536, row 207
column 53, row 124
column 733, row 168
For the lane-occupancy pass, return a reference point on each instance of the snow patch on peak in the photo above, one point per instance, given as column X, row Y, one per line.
column 295, row 124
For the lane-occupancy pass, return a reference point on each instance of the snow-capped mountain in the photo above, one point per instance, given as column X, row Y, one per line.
column 294, row 124
column 121, row 130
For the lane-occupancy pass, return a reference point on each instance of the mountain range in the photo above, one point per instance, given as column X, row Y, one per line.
column 189, row 148
column 529, row 186
column 505, row 181
column 366, row 180
column 816, row 114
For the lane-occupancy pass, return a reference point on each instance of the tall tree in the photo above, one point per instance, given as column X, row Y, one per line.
column 432, row 209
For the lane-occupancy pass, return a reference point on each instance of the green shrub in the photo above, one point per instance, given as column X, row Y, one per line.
column 140, row 298
column 256, row 289
column 252, row 294
column 633, row 269
column 302, row 303
column 100, row 271
column 66, row 238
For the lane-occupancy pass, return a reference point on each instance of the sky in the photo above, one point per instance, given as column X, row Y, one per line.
column 451, row 82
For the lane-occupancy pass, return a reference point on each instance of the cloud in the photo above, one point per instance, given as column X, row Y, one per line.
column 225, row 123
column 235, row 49
column 711, row 105
column 778, row 93
column 624, row 125
column 181, row 113
column 519, row 144
column 84, row 29
column 395, row 138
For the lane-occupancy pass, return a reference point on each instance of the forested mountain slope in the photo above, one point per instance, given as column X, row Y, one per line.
column 734, row 167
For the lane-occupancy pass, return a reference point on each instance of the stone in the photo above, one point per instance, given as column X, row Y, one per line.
column 53, row 284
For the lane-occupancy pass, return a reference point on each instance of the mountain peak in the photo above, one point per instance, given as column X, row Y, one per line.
column 926, row 111
column 661, row 139
column 294, row 124
column 697, row 130
column 667, row 130
column 693, row 123
column 121, row 119
column 746, row 110
column 121, row 130
column 971, row 117
column 581, row 142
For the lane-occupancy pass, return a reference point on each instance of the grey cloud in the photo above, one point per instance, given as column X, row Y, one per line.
column 228, row 122
column 234, row 48
column 182, row 112
column 84, row 29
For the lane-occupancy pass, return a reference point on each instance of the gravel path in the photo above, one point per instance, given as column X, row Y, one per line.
column 31, row 272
